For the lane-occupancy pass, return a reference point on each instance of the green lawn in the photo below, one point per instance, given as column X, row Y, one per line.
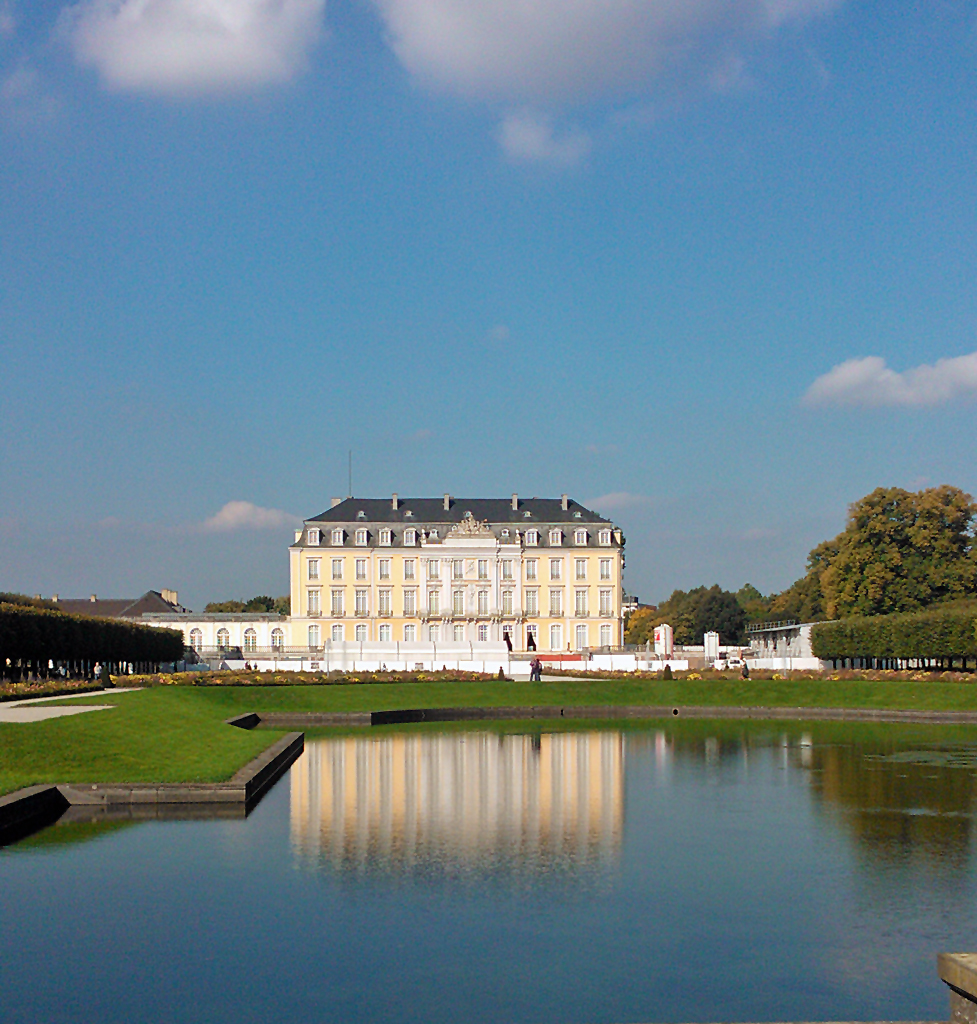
column 177, row 734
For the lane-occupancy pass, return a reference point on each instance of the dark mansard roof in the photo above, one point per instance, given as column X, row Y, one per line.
column 542, row 511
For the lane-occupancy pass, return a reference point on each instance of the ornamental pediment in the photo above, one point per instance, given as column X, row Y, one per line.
column 470, row 527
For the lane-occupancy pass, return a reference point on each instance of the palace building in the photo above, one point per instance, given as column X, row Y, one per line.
column 533, row 573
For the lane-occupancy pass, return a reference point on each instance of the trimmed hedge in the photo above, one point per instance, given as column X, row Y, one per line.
column 39, row 635
column 935, row 634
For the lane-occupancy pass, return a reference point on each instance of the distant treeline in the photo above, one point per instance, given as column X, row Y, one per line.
column 32, row 636
column 937, row 636
column 261, row 603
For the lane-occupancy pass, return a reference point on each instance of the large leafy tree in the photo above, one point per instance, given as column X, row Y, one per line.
column 691, row 614
column 901, row 551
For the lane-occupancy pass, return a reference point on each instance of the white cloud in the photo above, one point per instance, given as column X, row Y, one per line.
column 193, row 46
column 528, row 137
column 871, row 382
column 242, row 515
column 556, row 51
column 26, row 99
column 617, row 500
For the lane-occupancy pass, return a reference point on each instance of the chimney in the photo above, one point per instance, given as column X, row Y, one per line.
column 169, row 596
column 447, row 502
column 515, row 503
column 564, row 503
column 298, row 536
column 93, row 599
column 395, row 503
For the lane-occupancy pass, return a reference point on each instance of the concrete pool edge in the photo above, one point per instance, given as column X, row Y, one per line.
column 610, row 712
column 26, row 810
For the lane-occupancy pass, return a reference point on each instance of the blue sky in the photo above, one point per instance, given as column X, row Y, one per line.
column 707, row 265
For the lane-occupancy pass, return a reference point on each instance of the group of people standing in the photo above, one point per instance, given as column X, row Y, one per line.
column 535, row 671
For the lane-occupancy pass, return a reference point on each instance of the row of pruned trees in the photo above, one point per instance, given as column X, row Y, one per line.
column 941, row 637
column 36, row 641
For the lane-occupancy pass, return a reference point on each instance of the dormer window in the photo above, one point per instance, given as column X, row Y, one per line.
column 532, row 538
column 604, row 537
column 408, row 513
column 314, row 537
column 505, row 534
column 527, row 514
column 385, row 538
column 579, row 536
column 337, row 538
column 433, row 535
column 556, row 538
column 578, row 515
column 410, row 537
column 361, row 514
column 361, row 538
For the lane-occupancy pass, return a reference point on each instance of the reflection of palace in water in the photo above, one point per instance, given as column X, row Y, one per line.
column 470, row 801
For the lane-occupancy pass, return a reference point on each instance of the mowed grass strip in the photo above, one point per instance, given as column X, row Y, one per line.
column 177, row 733
column 149, row 736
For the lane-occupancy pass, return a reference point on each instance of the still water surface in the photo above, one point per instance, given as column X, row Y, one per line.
column 691, row 871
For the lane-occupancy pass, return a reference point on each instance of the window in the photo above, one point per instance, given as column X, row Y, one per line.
column 605, row 636
column 580, row 568
column 361, row 601
column 410, row 633
column 507, row 568
column 434, row 633
column 532, row 568
column 223, row 639
column 483, row 568
column 250, row 640
column 410, row 537
column 313, row 602
column 580, row 602
column 532, row 633
column 556, row 602
column 532, row 538
column 410, row 568
column 556, row 568
column 337, row 568
column 434, row 602
column 483, row 602
column 313, row 636
column 361, row 538
column 361, row 568
column 556, row 538
column 579, row 536
column 581, row 636
column 457, row 602
column 313, row 537
column 337, row 633
column 386, row 633
column 505, row 534
column 556, row 638
column 360, row 631
column 606, row 604
column 433, row 535
column 337, row 538
column 384, row 603
column 605, row 568
column 314, row 568
column 385, row 538
column 433, row 569
column 483, row 632
column 532, row 602
column 384, row 566
column 277, row 639
column 410, row 602
column 196, row 639
column 337, row 603
column 458, row 632
column 604, row 537
column 506, row 602
column 457, row 569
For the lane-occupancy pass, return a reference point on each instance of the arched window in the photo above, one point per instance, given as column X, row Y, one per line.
column 196, row 639
column 385, row 631
column 278, row 638
column 223, row 638
column 361, row 632
column 250, row 639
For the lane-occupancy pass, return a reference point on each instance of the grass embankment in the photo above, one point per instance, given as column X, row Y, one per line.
column 177, row 733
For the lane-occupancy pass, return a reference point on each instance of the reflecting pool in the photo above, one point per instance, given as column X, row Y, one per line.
column 687, row 871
